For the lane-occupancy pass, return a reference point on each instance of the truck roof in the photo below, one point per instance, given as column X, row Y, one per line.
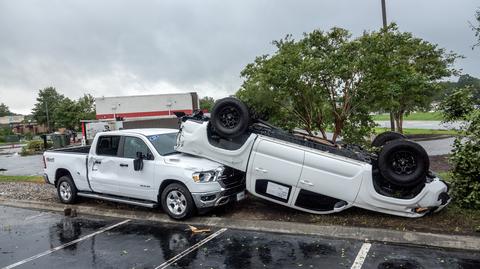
column 144, row 131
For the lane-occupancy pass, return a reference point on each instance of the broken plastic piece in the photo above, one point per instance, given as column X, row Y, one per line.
column 195, row 230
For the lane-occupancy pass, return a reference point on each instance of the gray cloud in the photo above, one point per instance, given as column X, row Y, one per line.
column 139, row 47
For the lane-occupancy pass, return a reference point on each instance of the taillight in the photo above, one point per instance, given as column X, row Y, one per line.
column 44, row 163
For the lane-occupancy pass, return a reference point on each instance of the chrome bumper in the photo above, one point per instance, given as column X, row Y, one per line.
column 213, row 199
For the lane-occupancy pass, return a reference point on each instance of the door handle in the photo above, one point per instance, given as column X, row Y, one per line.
column 258, row 169
column 124, row 165
column 97, row 162
column 306, row 182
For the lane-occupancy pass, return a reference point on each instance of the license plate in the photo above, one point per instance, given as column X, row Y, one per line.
column 277, row 190
column 240, row 196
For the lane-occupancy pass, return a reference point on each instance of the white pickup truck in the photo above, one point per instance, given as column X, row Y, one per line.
column 311, row 174
column 141, row 167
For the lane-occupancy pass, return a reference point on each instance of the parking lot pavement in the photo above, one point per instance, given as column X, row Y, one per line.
column 35, row 239
column 13, row 164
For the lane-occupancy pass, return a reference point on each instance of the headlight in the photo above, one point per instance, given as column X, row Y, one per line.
column 207, row 176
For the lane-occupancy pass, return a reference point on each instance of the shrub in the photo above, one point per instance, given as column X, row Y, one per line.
column 33, row 147
column 466, row 149
column 466, row 164
column 28, row 136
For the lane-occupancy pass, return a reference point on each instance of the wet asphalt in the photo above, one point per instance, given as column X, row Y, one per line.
column 142, row 244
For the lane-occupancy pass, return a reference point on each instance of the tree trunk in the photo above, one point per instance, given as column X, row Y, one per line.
column 392, row 122
column 324, row 134
column 338, row 129
column 399, row 121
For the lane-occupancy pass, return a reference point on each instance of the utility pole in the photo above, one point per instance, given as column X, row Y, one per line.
column 48, row 119
column 384, row 18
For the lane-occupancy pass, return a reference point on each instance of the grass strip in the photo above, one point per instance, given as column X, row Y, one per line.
column 34, row 179
column 413, row 131
column 426, row 116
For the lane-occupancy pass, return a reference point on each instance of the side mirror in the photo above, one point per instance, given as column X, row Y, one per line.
column 138, row 162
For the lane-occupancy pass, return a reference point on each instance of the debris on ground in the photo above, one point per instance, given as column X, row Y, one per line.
column 196, row 230
column 70, row 212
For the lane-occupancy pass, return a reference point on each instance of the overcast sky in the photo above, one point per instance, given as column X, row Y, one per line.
column 109, row 48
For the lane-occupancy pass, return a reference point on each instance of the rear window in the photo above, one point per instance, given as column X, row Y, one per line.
column 108, row 145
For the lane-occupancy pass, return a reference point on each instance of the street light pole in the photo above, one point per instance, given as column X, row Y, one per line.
column 384, row 14
column 384, row 18
column 48, row 119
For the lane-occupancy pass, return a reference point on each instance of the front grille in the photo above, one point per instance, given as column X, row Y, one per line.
column 234, row 190
column 231, row 178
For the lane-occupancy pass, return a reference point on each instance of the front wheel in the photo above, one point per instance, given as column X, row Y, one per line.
column 66, row 190
column 177, row 201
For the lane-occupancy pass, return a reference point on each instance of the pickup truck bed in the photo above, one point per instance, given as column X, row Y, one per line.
column 79, row 149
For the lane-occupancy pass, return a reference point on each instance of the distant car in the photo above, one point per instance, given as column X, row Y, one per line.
column 311, row 174
column 141, row 167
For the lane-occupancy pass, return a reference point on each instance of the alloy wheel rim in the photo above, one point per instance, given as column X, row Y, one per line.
column 403, row 163
column 65, row 191
column 229, row 117
column 176, row 202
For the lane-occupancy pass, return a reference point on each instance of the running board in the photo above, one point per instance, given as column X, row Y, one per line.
column 119, row 199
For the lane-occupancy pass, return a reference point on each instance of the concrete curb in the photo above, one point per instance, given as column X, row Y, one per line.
column 332, row 231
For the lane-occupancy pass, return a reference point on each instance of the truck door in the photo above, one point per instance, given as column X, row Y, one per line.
column 131, row 183
column 327, row 181
column 275, row 171
column 103, row 164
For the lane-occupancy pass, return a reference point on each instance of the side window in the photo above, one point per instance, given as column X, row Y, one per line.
column 132, row 145
column 108, row 145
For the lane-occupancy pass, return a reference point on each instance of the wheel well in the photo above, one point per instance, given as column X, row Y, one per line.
column 165, row 183
column 60, row 173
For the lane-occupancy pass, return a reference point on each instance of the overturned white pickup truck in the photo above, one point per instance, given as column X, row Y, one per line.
column 312, row 175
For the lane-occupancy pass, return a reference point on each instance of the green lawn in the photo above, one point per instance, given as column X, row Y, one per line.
column 411, row 131
column 36, row 179
column 413, row 116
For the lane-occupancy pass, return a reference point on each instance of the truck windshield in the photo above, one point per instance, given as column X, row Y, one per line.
column 164, row 143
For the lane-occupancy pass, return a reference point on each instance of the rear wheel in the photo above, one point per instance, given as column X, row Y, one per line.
column 177, row 201
column 66, row 190
column 230, row 117
column 403, row 163
column 381, row 139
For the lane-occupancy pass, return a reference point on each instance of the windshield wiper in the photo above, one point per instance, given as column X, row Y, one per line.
column 170, row 153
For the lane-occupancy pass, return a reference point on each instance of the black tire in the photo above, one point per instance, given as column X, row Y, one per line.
column 66, row 190
column 403, row 163
column 230, row 117
column 381, row 139
column 171, row 195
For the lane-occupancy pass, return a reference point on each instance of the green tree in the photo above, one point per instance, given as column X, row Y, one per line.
column 66, row 114
column 86, row 108
column 69, row 113
column 465, row 81
column 4, row 110
column 460, row 106
column 405, row 70
column 47, row 102
column 314, row 83
column 206, row 103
